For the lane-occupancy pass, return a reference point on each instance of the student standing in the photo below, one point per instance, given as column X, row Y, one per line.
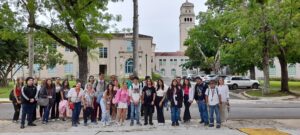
column 28, row 99
column 224, row 92
column 148, row 99
column 213, row 99
column 48, row 92
column 159, row 101
column 122, row 99
column 64, row 96
column 17, row 99
column 106, row 104
column 88, row 103
column 55, row 107
column 99, row 87
column 188, row 99
column 135, row 101
column 199, row 96
column 114, row 106
column 175, row 97
column 75, row 96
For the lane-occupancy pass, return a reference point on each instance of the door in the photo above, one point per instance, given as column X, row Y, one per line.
column 103, row 69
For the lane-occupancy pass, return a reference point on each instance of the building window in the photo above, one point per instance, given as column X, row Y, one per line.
column 103, row 52
column 69, row 68
column 129, row 45
column 51, row 70
column 129, row 66
column 162, row 72
column 171, row 61
column 173, row 72
column 191, row 19
column 164, row 63
column 184, row 72
column 160, row 62
column 36, row 68
column 175, row 62
column 292, row 69
column 272, row 70
column 68, row 50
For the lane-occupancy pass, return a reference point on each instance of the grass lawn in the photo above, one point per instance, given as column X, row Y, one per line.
column 4, row 91
column 275, row 88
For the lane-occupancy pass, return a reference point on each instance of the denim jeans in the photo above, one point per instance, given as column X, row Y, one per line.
column 135, row 111
column 175, row 112
column 203, row 111
column 46, row 112
column 105, row 114
column 27, row 110
column 214, row 109
column 76, row 112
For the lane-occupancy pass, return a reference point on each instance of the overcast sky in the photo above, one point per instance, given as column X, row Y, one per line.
column 157, row 18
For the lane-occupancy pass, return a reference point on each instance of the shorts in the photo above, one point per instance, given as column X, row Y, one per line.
column 122, row 105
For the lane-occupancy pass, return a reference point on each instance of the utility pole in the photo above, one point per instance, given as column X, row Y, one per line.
column 30, row 52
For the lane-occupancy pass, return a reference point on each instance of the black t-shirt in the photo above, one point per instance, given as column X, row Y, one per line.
column 148, row 93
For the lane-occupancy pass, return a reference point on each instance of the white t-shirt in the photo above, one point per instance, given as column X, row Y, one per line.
column 73, row 95
column 213, row 97
column 224, row 92
column 161, row 92
column 135, row 92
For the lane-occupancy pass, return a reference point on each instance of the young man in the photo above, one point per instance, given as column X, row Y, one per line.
column 213, row 99
column 29, row 97
column 99, row 87
column 135, row 101
column 199, row 96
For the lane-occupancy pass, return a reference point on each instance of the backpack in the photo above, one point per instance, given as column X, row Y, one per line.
column 12, row 96
column 217, row 92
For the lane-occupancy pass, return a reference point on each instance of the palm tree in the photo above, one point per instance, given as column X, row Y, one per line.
column 135, row 37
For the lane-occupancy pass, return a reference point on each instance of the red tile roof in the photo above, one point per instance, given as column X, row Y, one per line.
column 178, row 53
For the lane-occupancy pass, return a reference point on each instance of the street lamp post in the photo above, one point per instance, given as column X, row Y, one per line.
column 115, row 65
column 146, row 64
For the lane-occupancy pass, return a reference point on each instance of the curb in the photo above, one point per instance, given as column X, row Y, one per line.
column 249, row 96
column 238, row 95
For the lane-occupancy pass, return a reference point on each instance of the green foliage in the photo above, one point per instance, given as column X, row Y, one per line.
column 155, row 76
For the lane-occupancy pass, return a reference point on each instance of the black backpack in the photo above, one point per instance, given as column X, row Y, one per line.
column 12, row 96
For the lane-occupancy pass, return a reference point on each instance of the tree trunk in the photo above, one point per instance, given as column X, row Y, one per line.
column 266, row 52
column 252, row 73
column 284, row 71
column 30, row 52
column 83, row 65
column 3, row 82
column 135, row 37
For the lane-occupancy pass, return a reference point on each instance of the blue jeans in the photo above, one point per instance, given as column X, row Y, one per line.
column 105, row 114
column 135, row 111
column 27, row 109
column 76, row 112
column 203, row 111
column 46, row 112
column 214, row 109
column 175, row 112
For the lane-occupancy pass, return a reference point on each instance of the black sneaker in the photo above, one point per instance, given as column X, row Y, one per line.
column 177, row 123
column 201, row 122
column 145, row 124
column 210, row 125
column 173, row 123
column 138, row 123
column 22, row 127
column 131, row 123
column 218, row 126
column 151, row 124
column 31, row 124
column 206, row 124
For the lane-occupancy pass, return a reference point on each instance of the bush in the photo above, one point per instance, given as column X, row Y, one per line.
column 155, row 76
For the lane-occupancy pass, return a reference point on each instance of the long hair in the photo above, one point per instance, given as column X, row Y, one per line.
column 109, row 92
column 158, row 86
column 63, row 84
column 46, row 85
column 172, row 86
column 18, row 84
column 189, row 83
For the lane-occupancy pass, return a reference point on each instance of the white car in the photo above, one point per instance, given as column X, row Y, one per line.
column 235, row 82
column 208, row 78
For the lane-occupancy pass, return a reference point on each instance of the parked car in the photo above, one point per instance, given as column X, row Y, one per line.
column 191, row 77
column 235, row 82
column 208, row 78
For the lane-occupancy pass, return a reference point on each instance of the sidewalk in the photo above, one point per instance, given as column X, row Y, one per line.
column 4, row 100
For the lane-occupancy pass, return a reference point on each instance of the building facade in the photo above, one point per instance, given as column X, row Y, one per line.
column 114, row 57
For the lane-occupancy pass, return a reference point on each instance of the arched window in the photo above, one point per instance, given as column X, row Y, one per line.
column 184, row 19
column 162, row 71
column 191, row 19
column 173, row 72
column 129, row 66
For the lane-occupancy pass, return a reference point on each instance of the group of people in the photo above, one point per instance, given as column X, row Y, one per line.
column 110, row 102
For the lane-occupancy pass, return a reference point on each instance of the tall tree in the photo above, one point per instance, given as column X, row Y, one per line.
column 135, row 37
column 73, row 24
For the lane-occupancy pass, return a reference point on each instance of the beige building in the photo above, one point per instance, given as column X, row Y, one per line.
column 114, row 57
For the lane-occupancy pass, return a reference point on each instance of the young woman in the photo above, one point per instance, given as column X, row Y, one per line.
column 91, row 80
column 41, row 108
column 63, row 94
column 122, row 99
column 159, row 101
column 148, row 98
column 106, row 104
column 17, row 100
column 175, row 97
column 88, row 103
column 114, row 106
column 188, row 99
column 75, row 96
column 48, row 91
column 55, row 107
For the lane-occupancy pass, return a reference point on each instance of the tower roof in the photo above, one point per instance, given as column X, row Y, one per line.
column 187, row 4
